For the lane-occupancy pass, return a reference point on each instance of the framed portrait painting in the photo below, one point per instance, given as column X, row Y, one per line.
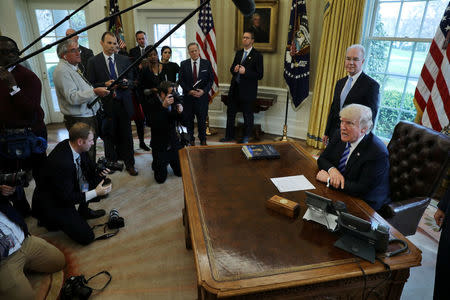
column 263, row 23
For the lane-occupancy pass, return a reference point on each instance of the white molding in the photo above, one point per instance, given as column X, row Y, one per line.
column 272, row 120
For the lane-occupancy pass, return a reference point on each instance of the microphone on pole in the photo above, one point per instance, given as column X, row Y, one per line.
column 247, row 7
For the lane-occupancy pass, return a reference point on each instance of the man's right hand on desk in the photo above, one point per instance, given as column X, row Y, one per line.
column 336, row 178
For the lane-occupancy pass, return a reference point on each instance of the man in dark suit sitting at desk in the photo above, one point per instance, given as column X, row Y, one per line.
column 356, row 161
column 70, row 178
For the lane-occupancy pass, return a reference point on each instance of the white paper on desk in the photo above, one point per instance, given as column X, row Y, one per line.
column 328, row 220
column 292, row 183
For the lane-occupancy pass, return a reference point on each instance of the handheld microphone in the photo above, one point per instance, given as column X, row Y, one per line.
column 247, row 7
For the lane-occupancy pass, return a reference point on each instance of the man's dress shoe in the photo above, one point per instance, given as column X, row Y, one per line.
column 203, row 143
column 225, row 140
column 144, row 147
column 132, row 171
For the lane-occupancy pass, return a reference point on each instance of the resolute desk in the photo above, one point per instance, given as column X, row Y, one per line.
column 244, row 250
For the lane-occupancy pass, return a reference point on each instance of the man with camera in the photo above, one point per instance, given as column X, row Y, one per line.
column 71, row 178
column 21, row 118
column 103, row 70
column 21, row 251
column 166, row 110
column 74, row 91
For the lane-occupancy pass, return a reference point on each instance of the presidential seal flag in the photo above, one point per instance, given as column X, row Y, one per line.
column 205, row 36
column 115, row 24
column 431, row 97
column 296, row 65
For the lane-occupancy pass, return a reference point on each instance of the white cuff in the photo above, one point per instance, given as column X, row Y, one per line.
column 15, row 90
column 90, row 195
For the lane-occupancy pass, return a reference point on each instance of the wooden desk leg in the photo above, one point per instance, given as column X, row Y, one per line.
column 187, row 231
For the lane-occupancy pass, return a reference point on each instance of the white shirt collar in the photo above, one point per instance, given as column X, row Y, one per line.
column 248, row 50
column 107, row 57
column 74, row 153
column 355, row 77
column 69, row 64
column 356, row 143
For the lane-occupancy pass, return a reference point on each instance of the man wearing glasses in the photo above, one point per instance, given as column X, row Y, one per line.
column 74, row 91
column 357, row 87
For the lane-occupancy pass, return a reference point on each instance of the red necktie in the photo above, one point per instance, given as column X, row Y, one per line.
column 194, row 75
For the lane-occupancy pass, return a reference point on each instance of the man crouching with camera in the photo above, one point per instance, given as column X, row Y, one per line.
column 20, row 251
column 166, row 111
column 70, row 178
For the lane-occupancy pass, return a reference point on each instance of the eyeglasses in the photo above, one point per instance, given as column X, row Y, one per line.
column 74, row 50
column 9, row 51
column 355, row 59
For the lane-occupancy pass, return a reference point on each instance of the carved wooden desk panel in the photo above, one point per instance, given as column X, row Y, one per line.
column 242, row 249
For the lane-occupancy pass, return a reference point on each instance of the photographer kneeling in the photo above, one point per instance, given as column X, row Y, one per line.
column 70, row 178
column 165, row 111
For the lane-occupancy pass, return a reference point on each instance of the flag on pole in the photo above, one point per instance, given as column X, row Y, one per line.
column 206, row 38
column 296, row 64
column 115, row 24
column 431, row 97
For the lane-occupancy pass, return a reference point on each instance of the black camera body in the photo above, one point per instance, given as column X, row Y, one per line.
column 20, row 178
column 115, row 221
column 177, row 99
column 75, row 288
column 103, row 164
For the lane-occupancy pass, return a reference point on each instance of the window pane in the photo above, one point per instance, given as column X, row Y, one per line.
column 408, row 102
column 433, row 16
column 419, row 58
column 387, row 120
column 400, row 57
column 50, row 69
column 410, row 19
column 47, row 40
column 408, row 116
column 386, row 19
column 45, row 20
column 78, row 21
column 178, row 55
column 50, row 55
column 377, row 59
column 59, row 15
column 178, row 38
column 83, row 40
column 161, row 30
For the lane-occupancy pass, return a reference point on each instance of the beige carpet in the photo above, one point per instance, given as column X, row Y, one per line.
column 147, row 259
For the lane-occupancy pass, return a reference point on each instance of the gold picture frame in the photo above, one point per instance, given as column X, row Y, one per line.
column 265, row 33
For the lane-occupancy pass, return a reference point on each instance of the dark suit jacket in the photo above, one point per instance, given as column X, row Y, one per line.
column 254, row 71
column 204, row 73
column 162, row 125
column 60, row 187
column 367, row 171
column 98, row 74
column 85, row 54
column 365, row 91
column 135, row 52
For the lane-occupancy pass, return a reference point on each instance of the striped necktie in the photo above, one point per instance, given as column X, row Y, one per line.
column 343, row 160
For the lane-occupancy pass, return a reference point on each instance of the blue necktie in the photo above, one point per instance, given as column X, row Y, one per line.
column 346, row 90
column 112, row 70
column 238, row 77
column 343, row 160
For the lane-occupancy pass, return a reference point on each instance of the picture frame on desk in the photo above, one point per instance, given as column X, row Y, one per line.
column 263, row 23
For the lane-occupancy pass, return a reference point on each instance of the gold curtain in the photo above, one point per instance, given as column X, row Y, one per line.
column 342, row 25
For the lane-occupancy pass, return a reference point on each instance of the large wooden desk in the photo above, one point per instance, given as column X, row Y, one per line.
column 242, row 249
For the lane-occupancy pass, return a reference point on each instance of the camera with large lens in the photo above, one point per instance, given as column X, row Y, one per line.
column 103, row 164
column 20, row 178
column 177, row 98
column 75, row 288
column 115, row 221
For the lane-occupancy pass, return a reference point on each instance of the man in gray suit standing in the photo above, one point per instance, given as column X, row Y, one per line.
column 103, row 70
column 74, row 91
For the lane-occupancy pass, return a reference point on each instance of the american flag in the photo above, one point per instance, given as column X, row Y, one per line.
column 431, row 97
column 206, row 39
column 115, row 25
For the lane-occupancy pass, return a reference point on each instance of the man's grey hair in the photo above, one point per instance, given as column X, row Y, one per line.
column 63, row 46
column 359, row 47
column 358, row 112
column 192, row 44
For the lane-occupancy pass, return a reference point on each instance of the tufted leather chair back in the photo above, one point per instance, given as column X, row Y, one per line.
column 418, row 157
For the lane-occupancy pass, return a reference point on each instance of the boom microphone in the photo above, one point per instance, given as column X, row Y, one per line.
column 247, row 7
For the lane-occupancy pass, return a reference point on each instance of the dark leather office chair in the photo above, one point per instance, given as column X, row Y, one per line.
column 418, row 158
